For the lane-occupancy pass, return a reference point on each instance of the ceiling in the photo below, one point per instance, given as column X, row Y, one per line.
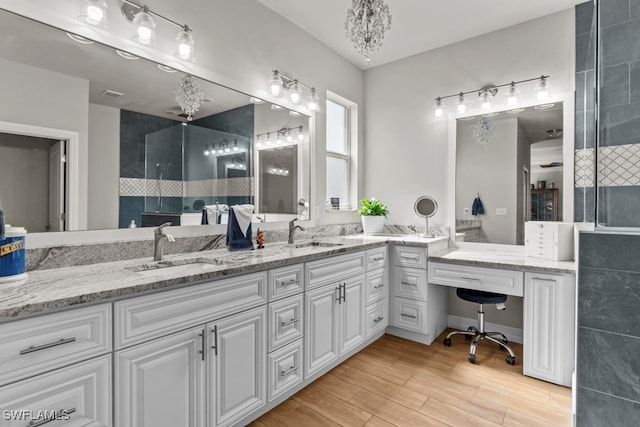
column 417, row 25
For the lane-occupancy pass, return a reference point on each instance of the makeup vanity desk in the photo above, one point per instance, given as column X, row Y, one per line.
column 548, row 289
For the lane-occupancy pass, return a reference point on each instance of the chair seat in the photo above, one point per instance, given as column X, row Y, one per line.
column 480, row 297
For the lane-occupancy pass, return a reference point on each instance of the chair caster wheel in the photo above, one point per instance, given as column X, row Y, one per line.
column 472, row 358
column 511, row 360
column 447, row 342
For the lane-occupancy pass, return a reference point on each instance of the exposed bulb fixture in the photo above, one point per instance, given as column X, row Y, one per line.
column 275, row 84
column 185, row 45
column 235, row 145
column 438, row 110
column 145, row 27
column 543, row 89
column 300, row 134
column 486, row 102
column 94, row 12
column 289, row 137
column 512, row 95
column 313, row 102
column 295, row 92
column 366, row 24
column 461, row 104
column 282, row 136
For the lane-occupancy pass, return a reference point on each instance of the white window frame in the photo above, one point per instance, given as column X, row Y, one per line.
column 351, row 135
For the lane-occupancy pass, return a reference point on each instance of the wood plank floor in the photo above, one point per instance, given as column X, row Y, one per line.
column 395, row 382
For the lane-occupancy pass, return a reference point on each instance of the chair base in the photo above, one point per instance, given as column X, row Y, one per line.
column 479, row 336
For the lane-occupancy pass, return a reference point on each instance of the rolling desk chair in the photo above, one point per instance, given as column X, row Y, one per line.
column 479, row 333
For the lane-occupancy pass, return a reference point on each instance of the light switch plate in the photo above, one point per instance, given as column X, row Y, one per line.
column 501, row 211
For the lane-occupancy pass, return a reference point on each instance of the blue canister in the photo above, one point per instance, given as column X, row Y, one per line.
column 12, row 255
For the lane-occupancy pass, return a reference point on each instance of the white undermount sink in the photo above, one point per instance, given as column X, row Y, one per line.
column 317, row 244
column 186, row 267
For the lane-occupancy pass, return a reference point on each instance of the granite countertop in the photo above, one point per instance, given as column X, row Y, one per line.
column 58, row 288
column 507, row 256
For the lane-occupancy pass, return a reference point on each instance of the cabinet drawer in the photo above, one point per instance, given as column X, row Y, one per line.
column 286, row 281
column 410, row 315
column 285, row 321
column 410, row 283
column 285, row 369
column 376, row 258
column 143, row 318
column 508, row 282
column 325, row 271
column 407, row 256
column 377, row 317
column 33, row 346
column 377, row 286
column 82, row 391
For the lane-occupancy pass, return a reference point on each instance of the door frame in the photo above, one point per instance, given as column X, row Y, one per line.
column 72, row 139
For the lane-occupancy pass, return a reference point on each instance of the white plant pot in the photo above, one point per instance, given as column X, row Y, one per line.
column 373, row 224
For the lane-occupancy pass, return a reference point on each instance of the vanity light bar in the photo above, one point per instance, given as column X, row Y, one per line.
column 280, row 134
column 488, row 92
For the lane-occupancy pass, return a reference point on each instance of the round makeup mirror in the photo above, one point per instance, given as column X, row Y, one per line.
column 425, row 207
column 302, row 207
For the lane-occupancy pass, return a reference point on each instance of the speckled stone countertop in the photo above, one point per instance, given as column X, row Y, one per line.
column 500, row 256
column 59, row 288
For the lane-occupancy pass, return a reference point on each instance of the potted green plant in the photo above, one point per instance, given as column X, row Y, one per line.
column 373, row 214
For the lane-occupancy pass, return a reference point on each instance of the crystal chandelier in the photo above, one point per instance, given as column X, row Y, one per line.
column 366, row 23
column 482, row 131
column 189, row 96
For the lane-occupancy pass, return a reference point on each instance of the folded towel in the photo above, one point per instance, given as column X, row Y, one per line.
column 477, row 208
column 239, row 236
column 213, row 214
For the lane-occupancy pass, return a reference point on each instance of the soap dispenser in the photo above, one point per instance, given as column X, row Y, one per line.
column 132, row 224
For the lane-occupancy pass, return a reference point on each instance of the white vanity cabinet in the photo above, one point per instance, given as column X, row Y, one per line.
column 549, row 322
column 418, row 308
column 334, row 309
column 376, row 291
column 57, row 368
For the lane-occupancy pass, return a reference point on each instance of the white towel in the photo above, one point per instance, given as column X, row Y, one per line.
column 243, row 213
column 215, row 213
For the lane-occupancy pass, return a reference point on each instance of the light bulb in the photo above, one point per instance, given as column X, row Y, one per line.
column 258, row 144
column 145, row 32
column 227, row 150
column 206, row 152
column 543, row 89
column 278, row 140
column 268, row 143
column 94, row 12
column 185, row 45
column 295, row 92
column 235, row 148
column 300, row 134
column 289, row 137
column 313, row 102
column 461, row 104
column 438, row 109
column 221, row 151
column 486, row 103
column 512, row 98
column 275, row 85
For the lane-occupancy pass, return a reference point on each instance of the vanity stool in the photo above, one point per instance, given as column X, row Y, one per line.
column 479, row 333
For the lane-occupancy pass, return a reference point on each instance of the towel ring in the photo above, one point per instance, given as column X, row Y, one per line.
column 425, row 207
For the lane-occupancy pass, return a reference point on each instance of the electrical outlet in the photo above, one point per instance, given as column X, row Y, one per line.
column 501, row 211
column 466, row 211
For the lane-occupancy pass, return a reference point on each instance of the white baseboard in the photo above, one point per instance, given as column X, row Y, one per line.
column 462, row 323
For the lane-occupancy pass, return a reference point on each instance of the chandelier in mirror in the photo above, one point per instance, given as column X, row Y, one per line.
column 367, row 21
column 189, row 96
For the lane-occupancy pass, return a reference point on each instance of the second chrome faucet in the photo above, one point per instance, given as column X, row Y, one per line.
column 292, row 229
column 160, row 237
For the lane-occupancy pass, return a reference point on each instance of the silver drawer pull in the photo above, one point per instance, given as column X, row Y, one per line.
column 290, row 371
column 381, row 285
column 378, row 319
column 32, row 349
column 289, row 322
column 475, row 279
column 409, row 256
column 409, row 284
column 380, row 258
column 62, row 414
column 411, row 316
column 544, row 279
column 288, row 282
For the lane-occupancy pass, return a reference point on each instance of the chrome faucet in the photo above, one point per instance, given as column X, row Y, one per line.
column 160, row 238
column 292, row 229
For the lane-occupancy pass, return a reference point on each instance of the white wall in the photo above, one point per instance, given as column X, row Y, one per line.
column 238, row 44
column 104, row 167
column 33, row 96
column 24, row 193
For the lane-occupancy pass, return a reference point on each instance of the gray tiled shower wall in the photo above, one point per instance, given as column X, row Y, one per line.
column 608, row 366
column 133, row 128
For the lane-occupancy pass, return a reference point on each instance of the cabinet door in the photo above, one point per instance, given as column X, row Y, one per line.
column 77, row 395
column 352, row 318
column 320, row 334
column 161, row 383
column 237, row 366
column 548, row 327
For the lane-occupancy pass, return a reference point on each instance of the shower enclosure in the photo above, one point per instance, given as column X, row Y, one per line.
column 188, row 167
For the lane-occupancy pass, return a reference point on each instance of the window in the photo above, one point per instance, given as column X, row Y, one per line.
column 339, row 166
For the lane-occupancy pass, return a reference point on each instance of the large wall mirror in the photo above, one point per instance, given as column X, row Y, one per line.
column 70, row 104
column 511, row 166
